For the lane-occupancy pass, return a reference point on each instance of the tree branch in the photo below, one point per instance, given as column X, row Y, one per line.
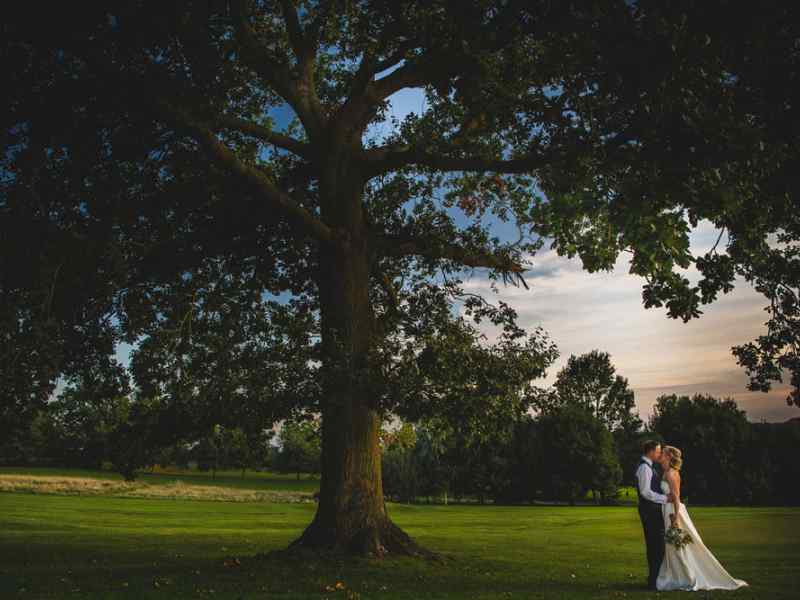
column 294, row 30
column 254, row 54
column 432, row 68
column 305, row 51
column 367, row 94
column 266, row 135
column 370, row 66
column 218, row 151
column 277, row 74
column 394, row 58
column 205, row 136
column 413, row 74
column 399, row 245
column 437, row 65
column 314, row 29
column 384, row 159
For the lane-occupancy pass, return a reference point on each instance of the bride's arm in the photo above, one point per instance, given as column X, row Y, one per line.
column 674, row 479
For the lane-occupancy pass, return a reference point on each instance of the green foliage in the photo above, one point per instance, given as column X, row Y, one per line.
column 136, row 441
column 575, row 454
column 37, row 442
column 712, row 434
column 521, row 457
column 231, row 448
column 434, row 462
column 300, row 447
column 770, row 470
column 400, row 469
column 78, row 429
column 205, row 452
column 727, row 459
column 222, row 353
column 774, row 353
column 560, row 455
column 438, row 369
column 590, row 382
column 164, row 189
column 86, row 427
column 178, row 455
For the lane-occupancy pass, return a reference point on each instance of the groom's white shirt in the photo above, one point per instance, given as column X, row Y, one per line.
column 644, row 475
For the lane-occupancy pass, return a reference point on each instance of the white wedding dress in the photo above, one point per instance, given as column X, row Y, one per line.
column 693, row 567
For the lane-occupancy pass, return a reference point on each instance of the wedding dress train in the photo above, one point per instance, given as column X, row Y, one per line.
column 693, row 567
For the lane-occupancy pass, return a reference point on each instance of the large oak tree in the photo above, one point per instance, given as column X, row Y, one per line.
column 147, row 187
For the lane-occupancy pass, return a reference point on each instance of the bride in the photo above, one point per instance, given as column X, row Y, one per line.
column 692, row 567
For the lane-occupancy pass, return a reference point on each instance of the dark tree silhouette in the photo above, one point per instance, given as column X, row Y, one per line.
column 300, row 448
column 575, row 454
column 712, row 435
column 590, row 381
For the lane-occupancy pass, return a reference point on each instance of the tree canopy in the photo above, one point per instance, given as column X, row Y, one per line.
column 590, row 382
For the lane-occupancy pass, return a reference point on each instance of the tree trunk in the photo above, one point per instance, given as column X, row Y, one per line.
column 351, row 515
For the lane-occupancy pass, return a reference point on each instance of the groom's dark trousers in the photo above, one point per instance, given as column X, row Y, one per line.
column 653, row 524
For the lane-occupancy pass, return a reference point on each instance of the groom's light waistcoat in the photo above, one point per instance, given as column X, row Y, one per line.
column 655, row 484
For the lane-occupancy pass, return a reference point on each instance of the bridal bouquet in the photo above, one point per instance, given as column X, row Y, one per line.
column 677, row 537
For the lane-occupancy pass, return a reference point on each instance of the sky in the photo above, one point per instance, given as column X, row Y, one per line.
column 658, row 355
column 603, row 311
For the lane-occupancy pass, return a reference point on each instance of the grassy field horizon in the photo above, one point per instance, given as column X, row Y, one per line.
column 57, row 546
column 14, row 479
column 268, row 480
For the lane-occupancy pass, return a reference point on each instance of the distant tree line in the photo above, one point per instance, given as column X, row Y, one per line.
column 568, row 454
column 128, row 434
column 581, row 441
column 559, row 456
column 727, row 459
column 299, row 450
column 584, row 430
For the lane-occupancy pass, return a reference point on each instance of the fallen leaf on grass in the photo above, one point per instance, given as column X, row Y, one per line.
column 338, row 586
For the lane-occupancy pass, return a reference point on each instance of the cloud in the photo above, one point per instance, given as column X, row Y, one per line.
column 583, row 311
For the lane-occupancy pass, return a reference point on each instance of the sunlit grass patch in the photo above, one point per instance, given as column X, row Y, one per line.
column 88, row 486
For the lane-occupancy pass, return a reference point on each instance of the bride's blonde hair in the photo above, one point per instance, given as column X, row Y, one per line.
column 675, row 457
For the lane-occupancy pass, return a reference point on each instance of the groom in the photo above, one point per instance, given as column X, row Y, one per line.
column 648, row 489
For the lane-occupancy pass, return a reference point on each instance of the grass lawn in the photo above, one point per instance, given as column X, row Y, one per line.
column 105, row 547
